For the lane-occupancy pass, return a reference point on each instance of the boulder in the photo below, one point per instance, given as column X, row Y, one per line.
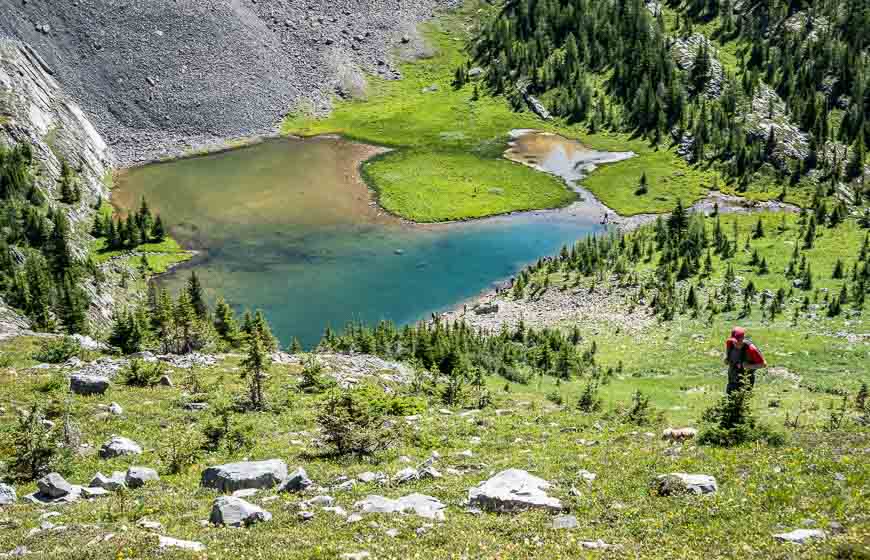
column 419, row 504
column 119, row 446
column 7, row 495
column 165, row 381
column 116, row 409
column 87, row 385
column 511, row 491
column 674, row 484
column 679, row 434
column 247, row 474
column 150, row 525
column 113, row 483
column 53, row 485
column 169, row 542
column 800, row 536
column 236, row 512
column 137, row 477
column 296, row 482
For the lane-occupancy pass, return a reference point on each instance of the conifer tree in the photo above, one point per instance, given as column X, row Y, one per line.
column 195, row 295
column 225, row 322
column 256, row 365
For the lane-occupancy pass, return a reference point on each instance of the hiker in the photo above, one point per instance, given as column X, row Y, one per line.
column 743, row 358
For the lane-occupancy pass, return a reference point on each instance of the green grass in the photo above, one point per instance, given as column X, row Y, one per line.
column 762, row 490
column 453, row 186
column 160, row 256
column 445, row 139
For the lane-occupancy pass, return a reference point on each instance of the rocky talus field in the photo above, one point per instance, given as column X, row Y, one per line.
column 165, row 77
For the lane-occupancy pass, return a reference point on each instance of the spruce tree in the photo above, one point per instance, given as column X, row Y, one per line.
column 225, row 322
column 195, row 295
column 256, row 365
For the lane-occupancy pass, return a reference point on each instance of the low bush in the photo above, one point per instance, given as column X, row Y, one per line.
column 35, row 446
column 589, row 400
column 141, row 373
column 57, row 350
column 351, row 425
column 313, row 378
column 182, row 447
column 731, row 422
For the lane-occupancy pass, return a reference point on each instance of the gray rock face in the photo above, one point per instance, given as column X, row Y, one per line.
column 53, row 485
column 800, row 536
column 7, row 495
column 113, row 483
column 296, row 482
column 674, row 484
column 236, row 512
column 88, row 384
column 418, row 504
column 169, row 542
column 184, row 53
column 249, row 474
column 119, row 446
column 139, row 476
column 511, row 491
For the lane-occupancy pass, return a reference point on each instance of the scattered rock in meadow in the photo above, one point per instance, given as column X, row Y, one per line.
column 318, row 501
column 296, row 482
column 165, row 381
column 418, row 504
column 247, row 474
column 236, row 512
column 368, row 477
column 406, row 475
column 355, row 555
column 91, row 493
column 511, row 491
column 565, row 522
column 674, row 484
column 116, row 409
column 246, row 493
column 53, row 485
column 113, row 483
column 595, row 545
column 800, row 536
column 119, row 446
column 150, row 525
column 679, row 434
column 169, row 542
column 137, row 477
column 588, row 477
column 88, row 385
column 7, row 495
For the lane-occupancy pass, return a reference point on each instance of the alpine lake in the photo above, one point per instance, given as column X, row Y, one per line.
column 288, row 226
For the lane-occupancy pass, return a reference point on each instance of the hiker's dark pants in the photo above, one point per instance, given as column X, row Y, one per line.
column 740, row 379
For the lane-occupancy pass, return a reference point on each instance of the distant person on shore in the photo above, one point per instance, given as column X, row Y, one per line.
column 743, row 358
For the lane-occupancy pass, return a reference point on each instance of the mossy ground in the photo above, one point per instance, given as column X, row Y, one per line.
column 449, row 146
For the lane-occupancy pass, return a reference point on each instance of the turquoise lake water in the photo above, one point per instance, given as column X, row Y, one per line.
column 288, row 227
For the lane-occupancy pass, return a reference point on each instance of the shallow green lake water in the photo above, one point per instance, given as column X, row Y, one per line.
column 288, row 227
